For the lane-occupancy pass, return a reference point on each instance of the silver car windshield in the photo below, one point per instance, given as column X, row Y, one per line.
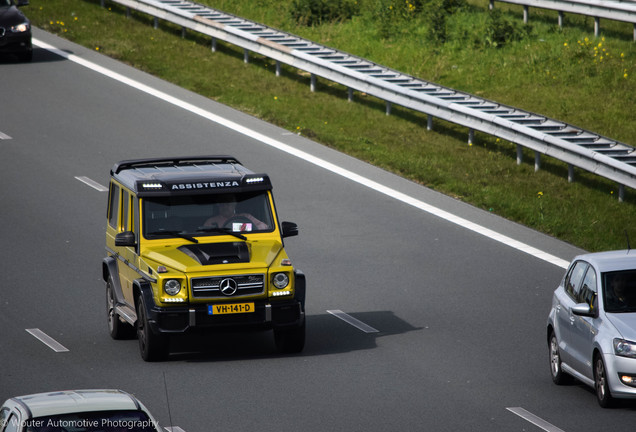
column 200, row 215
column 619, row 291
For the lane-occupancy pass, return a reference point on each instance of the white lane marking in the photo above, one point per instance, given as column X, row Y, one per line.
column 47, row 340
column 4, row 136
column 173, row 429
column 310, row 158
column 353, row 321
column 537, row 421
column 92, row 183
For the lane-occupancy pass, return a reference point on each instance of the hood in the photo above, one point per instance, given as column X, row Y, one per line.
column 625, row 323
column 206, row 256
column 10, row 16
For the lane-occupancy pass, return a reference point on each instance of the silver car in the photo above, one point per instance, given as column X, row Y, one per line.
column 592, row 325
column 77, row 411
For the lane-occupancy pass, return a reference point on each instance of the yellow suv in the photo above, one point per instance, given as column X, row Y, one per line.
column 194, row 243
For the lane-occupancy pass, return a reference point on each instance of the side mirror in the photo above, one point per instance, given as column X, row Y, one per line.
column 583, row 309
column 290, row 229
column 126, row 238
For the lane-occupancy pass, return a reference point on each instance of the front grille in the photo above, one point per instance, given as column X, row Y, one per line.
column 210, row 287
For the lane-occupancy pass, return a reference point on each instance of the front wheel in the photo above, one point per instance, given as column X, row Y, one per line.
column 603, row 394
column 290, row 341
column 153, row 347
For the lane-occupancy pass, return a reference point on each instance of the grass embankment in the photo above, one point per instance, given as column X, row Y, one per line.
column 566, row 74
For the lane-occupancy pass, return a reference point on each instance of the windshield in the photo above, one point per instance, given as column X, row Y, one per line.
column 619, row 290
column 100, row 421
column 200, row 215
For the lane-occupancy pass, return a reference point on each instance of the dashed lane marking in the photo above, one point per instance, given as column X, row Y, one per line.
column 353, row 321
column 47, row 340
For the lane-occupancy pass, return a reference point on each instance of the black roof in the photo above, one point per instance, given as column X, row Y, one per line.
column 187, row 175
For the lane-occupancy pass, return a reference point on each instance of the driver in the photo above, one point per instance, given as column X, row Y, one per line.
column 226, row 211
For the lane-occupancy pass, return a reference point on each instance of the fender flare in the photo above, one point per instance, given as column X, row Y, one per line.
column 110, row 270
column 300, row 286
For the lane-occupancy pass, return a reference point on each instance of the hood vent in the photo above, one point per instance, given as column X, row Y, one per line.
column 217, row 253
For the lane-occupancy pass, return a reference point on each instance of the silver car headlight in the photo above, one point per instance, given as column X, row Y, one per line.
column 624, row 348
column 172, row 286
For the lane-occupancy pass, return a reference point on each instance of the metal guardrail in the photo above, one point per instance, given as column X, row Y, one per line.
column 575, row 146
column 624, row 11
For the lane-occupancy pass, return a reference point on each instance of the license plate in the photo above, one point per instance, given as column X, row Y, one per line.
column 220, row 309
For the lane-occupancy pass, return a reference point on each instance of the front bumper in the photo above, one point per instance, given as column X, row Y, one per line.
column 267, row 315
column 616, row 365
column 16, row 43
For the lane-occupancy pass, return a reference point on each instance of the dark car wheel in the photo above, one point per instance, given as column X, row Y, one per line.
column 290, row 341
column 116, row 327
column 558, row 376
column 153, row 347
column 603, row 394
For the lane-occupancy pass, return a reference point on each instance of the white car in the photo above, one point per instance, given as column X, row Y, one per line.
column 76, row 411
column 591, row 327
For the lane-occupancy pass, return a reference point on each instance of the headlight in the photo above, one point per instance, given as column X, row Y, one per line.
column 280, row 280
column 20, row 28
column 625, row 348
column 172, row 287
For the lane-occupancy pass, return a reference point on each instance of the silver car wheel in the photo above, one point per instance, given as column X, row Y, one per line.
column 601, row 385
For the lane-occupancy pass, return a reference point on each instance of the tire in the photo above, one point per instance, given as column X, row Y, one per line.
column 601, row 386
column 152, row 347
column 558, row 376
column 290, row 341
column 117, row 328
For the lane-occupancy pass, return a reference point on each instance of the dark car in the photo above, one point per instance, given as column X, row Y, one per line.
column 15, row 30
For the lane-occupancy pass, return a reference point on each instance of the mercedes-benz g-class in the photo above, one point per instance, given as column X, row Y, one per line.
column 194, row 243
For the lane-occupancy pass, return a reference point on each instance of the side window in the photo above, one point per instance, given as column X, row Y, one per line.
column 574, row 278
column 113, row 205
column 588, row 290
column 125, row 215
column 135, row 208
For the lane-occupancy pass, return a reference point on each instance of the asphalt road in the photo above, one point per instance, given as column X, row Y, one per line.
column 459, row 316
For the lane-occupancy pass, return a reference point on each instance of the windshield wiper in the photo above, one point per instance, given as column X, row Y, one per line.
column 174, row 233
column 222, row 231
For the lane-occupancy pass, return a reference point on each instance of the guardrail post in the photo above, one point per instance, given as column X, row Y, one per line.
column 471, row 136
column 312, row 83
column 388, row 108
column 525, row 14
column 277, row 68
column 183, row 32
column 597, row 26
column 128, row 13
column 101, row 3
column 246, row 55
column 560, row 20
column 213, row 47
column 537, row 161
column 519, row 154
column 491, row 4
column 634, row 32
column 570, row 173
column 429, row 122
column 156, row 23
column 349, row 94
column 621, row 192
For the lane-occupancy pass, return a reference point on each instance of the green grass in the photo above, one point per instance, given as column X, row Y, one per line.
column 554, row 72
